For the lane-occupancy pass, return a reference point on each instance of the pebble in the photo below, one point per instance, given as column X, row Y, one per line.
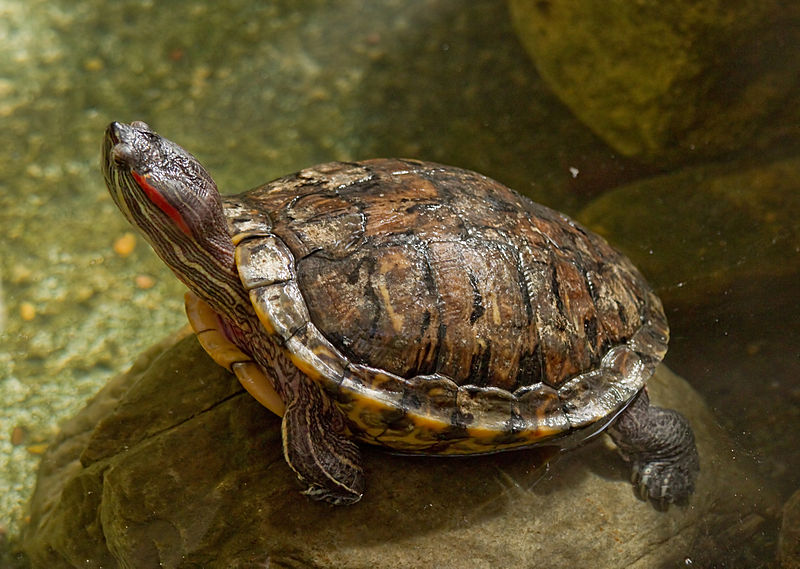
column 125, row 244
column 144, row 282
column 37, row 448
column 20, row 273
column 27, row 311
column 93, row 64
column 17, row 435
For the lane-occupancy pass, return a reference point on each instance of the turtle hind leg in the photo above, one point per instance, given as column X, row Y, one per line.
column 316, row 446
column 659, row 443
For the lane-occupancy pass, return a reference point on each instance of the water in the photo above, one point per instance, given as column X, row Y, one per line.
column 257, row 90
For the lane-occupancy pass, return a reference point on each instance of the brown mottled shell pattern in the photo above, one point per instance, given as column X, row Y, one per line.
column 444, row 312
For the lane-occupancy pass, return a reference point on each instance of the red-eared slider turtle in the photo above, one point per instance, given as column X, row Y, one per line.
column 410, row 305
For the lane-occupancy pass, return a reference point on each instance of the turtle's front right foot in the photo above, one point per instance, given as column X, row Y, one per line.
column 318, row 449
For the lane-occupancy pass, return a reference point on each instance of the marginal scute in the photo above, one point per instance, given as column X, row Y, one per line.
column 432, row 395
column 626, row 364
column 489, row 409
column 650, row 341
column 540, row 408
column 591, row 396
column 378, row 400
column 244, row 221
column 385, row 389
column 280, row 308
column 315, row 356
column 263, row 261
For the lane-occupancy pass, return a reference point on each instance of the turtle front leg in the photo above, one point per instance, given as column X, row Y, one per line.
column 317, row 447
column 659, row 443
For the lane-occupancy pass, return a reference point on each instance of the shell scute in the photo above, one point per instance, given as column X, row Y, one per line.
column 332, row 175
column 433, row 396
column 244, row 220
column 281, row 309
column 487, row 410
column 262, row 261
column 315, row 356
column 389, row 305
column 541, row 408
column 593, row 395
column 323, row 223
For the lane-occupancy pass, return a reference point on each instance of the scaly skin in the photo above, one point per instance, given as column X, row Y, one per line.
column 659, row 444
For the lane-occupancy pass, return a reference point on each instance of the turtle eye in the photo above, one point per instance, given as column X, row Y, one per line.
column 122, row 154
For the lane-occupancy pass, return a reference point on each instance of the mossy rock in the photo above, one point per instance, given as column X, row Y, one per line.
column 667, row 82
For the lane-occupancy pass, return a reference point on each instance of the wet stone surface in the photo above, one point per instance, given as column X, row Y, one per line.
column 173, row 464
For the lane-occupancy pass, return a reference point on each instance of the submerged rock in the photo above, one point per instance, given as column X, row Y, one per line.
column 173, row 465
column 669, row 81
column 722, row 229
column 789, row 538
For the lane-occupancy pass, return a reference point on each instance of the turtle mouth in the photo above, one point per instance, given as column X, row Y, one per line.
column 118, row 137
column 110, row 140
column 127, row 145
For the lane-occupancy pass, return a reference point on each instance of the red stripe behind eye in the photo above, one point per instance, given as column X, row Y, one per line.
column 161, row 203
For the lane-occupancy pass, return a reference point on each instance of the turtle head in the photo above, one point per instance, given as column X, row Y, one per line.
column 159, row 186
column 165, row 192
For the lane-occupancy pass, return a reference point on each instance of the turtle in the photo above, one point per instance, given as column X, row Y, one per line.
column 422, row 308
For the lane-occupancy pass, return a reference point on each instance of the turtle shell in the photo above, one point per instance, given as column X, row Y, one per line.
column 444, row 312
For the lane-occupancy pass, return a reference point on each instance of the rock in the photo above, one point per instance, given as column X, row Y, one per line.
column 721, row 229
column 669, row 81
column 173, row 465
column 789, row 538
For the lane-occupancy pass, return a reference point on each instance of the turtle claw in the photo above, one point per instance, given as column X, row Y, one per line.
column 664, row 482
column 340, row 498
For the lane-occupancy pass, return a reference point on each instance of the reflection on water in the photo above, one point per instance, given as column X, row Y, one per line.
column 704, row 196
